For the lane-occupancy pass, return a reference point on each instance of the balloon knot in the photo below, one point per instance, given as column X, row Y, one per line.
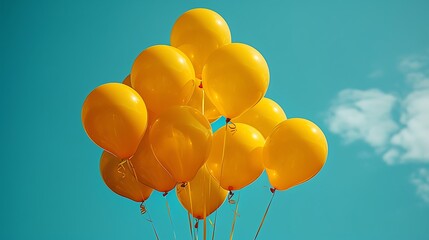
column 201, row 85
column 230, row 195
column 184, row 184
column 196, row 224
column 142, row 208
column 164, row 194
column 228, row 120
column 272, row 190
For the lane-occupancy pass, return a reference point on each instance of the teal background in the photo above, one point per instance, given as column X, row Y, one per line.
column 53, row 53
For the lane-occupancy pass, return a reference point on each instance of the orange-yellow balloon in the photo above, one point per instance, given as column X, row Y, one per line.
column 197, row 33
column 181, row 139
column 148, row 170
column 210, row 111
column 264, row 116
column 235, row 78
column 202, row 195
column 115, row 117
column 236, row 160
column 294, row 152
column 163, row 76
column 121, row 180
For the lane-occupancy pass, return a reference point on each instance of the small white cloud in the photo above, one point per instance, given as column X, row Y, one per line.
column 376, row 74
column 363, row 115
column 421, row 180
column 413, row 63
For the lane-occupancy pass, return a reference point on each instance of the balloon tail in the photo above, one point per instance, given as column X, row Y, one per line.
column 273, row 191
column 143, row 210
column 169, row 216
column 234, row 219
column 190, row 226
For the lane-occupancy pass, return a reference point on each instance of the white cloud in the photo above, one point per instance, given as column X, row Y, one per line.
column 421, row 180
column 413, row 138
column 363, row 115
column 376, row 74
column 367, row 115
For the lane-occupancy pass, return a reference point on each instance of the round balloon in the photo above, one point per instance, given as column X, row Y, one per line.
column 197, row 99
column 264, row 116
column 181, row 139
column 121, row 180
column 294, row 152
column 236, row 159
column 163, row 76
column 197, row 33
column 201, row 196
column 115, row 117
column 235, row 78
column 148, row 170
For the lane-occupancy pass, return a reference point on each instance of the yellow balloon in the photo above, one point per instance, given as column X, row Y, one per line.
column 148, row 170
column 197, row 33
column 115, row 117
column 201, row 196
column 210, row 111
column 294, row 152
column 181, row 139
column 264, row 116
column 163, row 76
column 236, row 160
column 121, row 180
column 235, row 78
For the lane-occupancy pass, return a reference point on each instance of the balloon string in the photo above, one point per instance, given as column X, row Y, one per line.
column 205, row 228
column 133, row 170
column 169, row 216
column 214, row 225
column 121, row 168
column 188, row 185
column 196, row 228
column 234, row 219
column 190, row 226
column 204, row 197
column 221, row 172
column 144, row 210
column 273, row 191
column 202, row 104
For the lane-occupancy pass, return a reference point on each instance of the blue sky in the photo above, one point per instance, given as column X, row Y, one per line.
column 358, row 69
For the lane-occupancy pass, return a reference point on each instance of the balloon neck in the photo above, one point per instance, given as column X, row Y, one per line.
column 201, row 85
column 228, row 120
column 273, row 190
column 184, row 184
column 164, row 194
column 196, row 224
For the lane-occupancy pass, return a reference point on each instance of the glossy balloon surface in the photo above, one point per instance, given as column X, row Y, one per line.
column 294, row 152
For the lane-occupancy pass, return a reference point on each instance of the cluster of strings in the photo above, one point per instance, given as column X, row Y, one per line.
column 194, row 223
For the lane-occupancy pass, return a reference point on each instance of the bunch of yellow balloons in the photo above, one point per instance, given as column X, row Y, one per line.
column 155, row 125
